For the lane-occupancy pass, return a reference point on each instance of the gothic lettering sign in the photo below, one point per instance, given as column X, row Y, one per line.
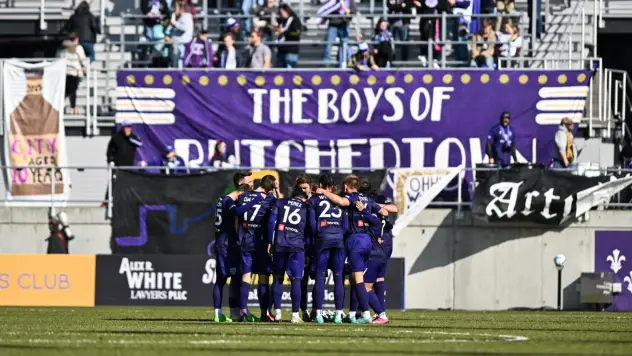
column 541, row 195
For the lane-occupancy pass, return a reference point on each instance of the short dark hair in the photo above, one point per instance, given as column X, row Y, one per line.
column 257, row 32
column 352, row 181
column 229, row 34
column 487, row 22
column 326, row 180
column 239, row 176
column 267, row 183
column 243, row 188
column 365, row 188
column 304, row 179
column 297, row 192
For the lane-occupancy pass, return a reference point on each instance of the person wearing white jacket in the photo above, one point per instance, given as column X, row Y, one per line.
column 76, row 68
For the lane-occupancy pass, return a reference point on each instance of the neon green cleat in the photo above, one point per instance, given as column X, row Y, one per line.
column 253, row 319
column 319, row 319
column 222, row 319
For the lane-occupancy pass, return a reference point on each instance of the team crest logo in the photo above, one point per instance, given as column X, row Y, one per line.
column 629, row 281
column 616, row 260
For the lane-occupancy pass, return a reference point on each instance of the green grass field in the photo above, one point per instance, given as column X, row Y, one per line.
column 189, row 331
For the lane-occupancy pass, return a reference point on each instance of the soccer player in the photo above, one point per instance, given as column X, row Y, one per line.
column 360, row 208
column 304, row 182
column 226, row 248
column 254, row 251
column 329, row 224
column 288, row 224
column 380, row 254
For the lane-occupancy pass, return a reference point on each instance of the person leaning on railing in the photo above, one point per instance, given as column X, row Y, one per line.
column 565, row 151
column 363, row 60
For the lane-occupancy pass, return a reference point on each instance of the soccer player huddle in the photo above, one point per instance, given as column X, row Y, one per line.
column 317, row 228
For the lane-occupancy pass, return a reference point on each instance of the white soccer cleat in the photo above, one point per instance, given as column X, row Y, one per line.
column 297, row 320
column 278, row 317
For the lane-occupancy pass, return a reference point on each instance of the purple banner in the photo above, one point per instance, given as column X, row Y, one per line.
column 345, row 119
column 613, row 252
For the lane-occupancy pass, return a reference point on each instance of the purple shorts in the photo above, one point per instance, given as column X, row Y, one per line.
column 358, row 251
column 330, row 258
column 255, row 262
column 227, row 262
column 292, row 263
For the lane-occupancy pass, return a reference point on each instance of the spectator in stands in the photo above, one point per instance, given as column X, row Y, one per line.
column 501, row 142
column 538, row 19
column 338, row 28
column 504, row 7
column 76, row 64
column 430, row 27
column 512, row 42
column 157, row 11
column 122, row 146
column 399, row 24
column 84, row 24
column 266, row 18
column 383, row 38
column 171, row 163
column 363, row 60
column 199, row 52
column 182, row 33
column 227, row 56
column 289, row 29
column 220, row 157
column 246, row 9
column 565, row 151
column 483, row 51
column 232, row 26
column 259, row 54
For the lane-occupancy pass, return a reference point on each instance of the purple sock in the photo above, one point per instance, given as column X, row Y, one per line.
column 339, row 291
column 277, row 292
column 380, row 291
column 264, row 298
column 295, row 293
column 319, row 292
column 233, row 292
column 244, row 291
column 303, row 287
column 363, row 296
column 353, row 300
column 218, row 288
column 374, row 302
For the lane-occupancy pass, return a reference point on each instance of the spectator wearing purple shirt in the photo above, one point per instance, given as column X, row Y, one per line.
column 199, row 52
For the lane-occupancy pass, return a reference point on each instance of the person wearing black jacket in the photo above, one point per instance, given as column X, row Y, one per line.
column 157, row 12
column 122, row 146
column 232, row 27
column 84, row 24
column 397, row 10
column 430, row 28
column 288, row 30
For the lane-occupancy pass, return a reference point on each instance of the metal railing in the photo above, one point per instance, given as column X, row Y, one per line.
column 616, row 100
column 56, row 201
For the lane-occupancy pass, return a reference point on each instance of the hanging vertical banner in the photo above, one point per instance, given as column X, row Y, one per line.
column 34, row 137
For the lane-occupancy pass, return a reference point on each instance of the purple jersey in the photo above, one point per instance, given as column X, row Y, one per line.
column 329, row 222
column 290, row 218
column 253, row 222
column 359, row 222
column 198, row 54
column 226, row 211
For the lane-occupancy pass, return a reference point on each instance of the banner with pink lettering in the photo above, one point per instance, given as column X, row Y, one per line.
column 35, row 139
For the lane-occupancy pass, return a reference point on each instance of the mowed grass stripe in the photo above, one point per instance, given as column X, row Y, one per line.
column 180, row 331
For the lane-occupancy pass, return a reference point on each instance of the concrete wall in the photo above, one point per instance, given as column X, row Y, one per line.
column 468, row 264
column 450, row 262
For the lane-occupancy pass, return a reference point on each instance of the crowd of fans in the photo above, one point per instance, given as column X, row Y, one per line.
column 270, row 35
